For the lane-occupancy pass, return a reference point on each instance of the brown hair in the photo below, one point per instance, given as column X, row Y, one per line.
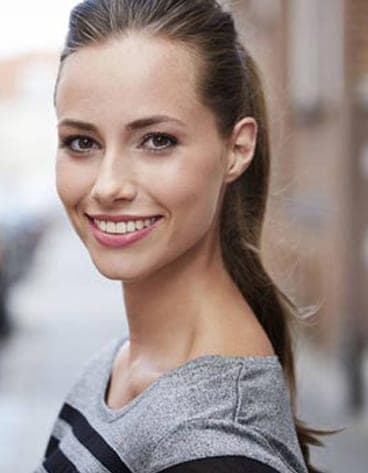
column 231, row 87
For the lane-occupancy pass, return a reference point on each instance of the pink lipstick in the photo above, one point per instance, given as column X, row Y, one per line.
column 114, row 240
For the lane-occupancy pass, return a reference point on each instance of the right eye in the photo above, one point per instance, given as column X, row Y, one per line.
column 79, row 144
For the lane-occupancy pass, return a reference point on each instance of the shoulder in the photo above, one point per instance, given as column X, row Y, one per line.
column 205, row 442
column 247, row 414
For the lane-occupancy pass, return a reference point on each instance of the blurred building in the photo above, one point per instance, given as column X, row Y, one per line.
column 27, row 130
column 314, row 60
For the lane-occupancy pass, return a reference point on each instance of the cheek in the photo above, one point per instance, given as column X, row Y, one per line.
column 71, row 181
column 193, row 195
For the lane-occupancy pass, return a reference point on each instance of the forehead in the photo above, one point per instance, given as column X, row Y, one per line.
column 136, row 73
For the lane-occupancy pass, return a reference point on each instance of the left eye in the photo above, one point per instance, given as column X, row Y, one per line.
column 79, row 144
column 159, row 141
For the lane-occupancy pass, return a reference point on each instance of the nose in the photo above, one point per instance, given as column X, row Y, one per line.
column 114, row 180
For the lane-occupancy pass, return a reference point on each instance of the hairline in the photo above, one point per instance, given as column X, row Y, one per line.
column 190, row 47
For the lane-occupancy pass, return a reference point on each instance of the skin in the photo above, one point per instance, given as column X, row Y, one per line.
column 180, row 302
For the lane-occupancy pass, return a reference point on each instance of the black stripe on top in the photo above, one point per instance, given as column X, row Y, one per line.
column 57, row 462
column 221, row 464
column 92, row 440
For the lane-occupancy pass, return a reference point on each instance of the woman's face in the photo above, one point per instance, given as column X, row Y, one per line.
column 134, row 139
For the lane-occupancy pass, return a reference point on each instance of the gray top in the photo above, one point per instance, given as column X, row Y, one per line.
column 209, row 406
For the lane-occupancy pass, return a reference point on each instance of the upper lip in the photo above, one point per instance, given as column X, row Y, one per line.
column 120, row 218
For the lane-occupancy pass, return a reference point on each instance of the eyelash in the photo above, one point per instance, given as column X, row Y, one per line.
column 66, row 142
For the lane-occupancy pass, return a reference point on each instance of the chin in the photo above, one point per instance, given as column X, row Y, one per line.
column 118, row 271
column 114, row 276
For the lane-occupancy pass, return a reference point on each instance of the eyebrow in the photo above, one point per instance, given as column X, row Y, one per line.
column 135, row 125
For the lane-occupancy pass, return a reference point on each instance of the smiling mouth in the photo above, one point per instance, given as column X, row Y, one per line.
column 114, row 235
column 123, row 227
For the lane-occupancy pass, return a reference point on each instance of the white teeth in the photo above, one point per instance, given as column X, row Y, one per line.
column 121, row 227
column 124, row 227
column 111, row 227
column 139, row 224
column 131, row 226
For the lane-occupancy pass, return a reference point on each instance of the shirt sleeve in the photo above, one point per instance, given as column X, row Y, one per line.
column 221, row 464
column 217, row 445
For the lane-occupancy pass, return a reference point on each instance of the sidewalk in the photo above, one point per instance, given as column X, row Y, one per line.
column 66, row 310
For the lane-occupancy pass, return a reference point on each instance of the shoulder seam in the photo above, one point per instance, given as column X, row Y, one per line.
column 238, row 397
column 200, row 419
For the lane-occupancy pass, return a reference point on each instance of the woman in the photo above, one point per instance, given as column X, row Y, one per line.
column 163, row 169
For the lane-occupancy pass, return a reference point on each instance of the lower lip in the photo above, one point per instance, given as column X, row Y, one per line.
column 118, row 241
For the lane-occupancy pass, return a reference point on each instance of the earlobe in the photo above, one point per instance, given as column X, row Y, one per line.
column 241, row 151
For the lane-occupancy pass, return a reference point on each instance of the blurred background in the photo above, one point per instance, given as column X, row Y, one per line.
column 56, row 310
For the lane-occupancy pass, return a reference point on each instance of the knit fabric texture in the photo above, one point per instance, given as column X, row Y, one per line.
column 211, row 405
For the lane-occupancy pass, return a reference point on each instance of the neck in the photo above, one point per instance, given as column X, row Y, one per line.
column 180, row 309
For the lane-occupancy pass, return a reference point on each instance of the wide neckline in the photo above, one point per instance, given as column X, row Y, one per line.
column 209, row 359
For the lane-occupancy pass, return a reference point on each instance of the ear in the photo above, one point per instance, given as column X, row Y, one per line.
column 242, row 147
